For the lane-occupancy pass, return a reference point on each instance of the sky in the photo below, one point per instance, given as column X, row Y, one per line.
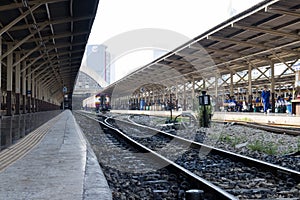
column 188, row 18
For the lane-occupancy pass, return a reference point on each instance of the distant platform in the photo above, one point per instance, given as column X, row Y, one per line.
column 278, row 118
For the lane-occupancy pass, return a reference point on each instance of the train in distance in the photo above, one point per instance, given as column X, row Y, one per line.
column 98, row 103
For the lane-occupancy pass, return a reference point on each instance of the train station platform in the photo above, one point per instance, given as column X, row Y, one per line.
column 275, row 118
column 61, row 165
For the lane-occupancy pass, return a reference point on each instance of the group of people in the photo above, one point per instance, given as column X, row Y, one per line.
column 280, row 104
column 233, row 105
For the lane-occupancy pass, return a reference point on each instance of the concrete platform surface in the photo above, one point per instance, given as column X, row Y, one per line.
column 279, row 118
column 62, row 166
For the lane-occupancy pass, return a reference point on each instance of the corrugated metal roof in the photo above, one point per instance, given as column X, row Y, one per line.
column 267, row 32
column 50, row 35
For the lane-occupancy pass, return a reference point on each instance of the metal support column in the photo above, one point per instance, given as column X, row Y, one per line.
column 250, row 95
column 139, row 101
column 9, row 70
column 184, row 97
column 217, row 106
column 163, row 95
column 0, row 79
column 29, row 90
column 33, row 93
column 36, row 95
column 24, row 87
column 216, row 86
column 40, row 95
column 18, row 84
column 153, row 100
column 272, row 87
column 193, row 94
column 231, row 84
column 176, row 90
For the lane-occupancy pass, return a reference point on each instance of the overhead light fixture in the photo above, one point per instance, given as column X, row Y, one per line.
column 25, row 3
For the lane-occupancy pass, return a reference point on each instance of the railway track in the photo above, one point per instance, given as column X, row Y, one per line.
column 272, row 127
column 288, row 129
column 243, row 177
column 232, row 137
column 215, row 166
column 152, row 175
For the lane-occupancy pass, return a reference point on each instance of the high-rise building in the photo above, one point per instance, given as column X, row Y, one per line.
column 98, row 60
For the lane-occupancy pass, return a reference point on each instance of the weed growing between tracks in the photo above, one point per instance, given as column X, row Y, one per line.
column 266, row 147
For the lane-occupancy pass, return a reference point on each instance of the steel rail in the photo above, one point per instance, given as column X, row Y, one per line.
column 275, row 128
column 265, row 166
column 198, row 181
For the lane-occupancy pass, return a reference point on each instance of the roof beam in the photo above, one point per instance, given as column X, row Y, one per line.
column 59, row 46
column 31, row 3
column 67, row 52
column 72, row 58
column 19, row 43
column 232, row 53
column 31, row 63
column 26, row 56
column 57, row 36
column 63, row 53
column 15, row 21
column 53, row 22
column 42, row 64
column 248, row 44
column 283, row 12
column 269, row 31
column 49, row 82
column 63, row 65
column 235, row 41
column 51, row 47
column 40, row 72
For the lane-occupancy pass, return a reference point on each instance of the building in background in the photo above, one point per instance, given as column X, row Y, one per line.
column 94, row 74
column 85, row 86
column 98, row 59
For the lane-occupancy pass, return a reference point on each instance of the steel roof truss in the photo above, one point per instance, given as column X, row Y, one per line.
column 15, row 21
column 269, row 31
column 262, row 74
column 41, row 65
column 242, row 78
column 224, row 82
column 31, row 3
column 26, row 56
column 289, row 66
column 19, row 44
column 283, row 12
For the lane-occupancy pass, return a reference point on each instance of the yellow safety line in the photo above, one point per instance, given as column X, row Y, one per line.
column 20, row 149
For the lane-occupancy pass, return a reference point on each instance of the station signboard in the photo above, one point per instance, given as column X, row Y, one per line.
column 65, row 89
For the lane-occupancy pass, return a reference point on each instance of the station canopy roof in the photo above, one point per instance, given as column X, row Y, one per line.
column 50, row 35
column 267, row 32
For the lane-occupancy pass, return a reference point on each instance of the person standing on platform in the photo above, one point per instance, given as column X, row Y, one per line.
column 265, row 97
